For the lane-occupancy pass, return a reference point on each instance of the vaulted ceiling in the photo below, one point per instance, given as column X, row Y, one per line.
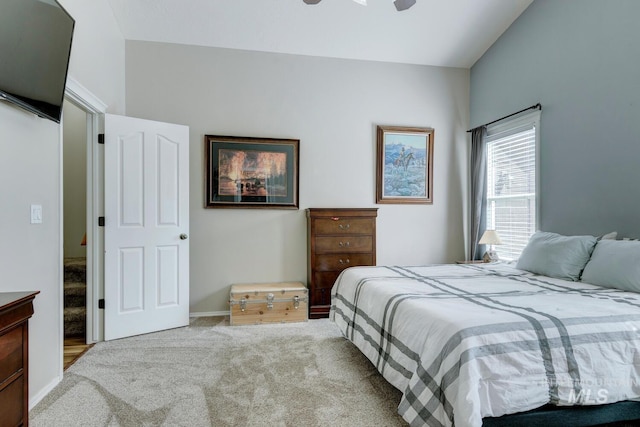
column 448, row 33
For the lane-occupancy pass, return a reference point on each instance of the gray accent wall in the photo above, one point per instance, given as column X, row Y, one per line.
column 581, row 60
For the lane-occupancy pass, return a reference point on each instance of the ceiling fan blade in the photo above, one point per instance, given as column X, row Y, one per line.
column 362, row 2
column 400, row 4
column 403, row 4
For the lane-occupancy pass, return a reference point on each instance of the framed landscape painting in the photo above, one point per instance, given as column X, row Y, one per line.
column 246, row 172
column 404, row 170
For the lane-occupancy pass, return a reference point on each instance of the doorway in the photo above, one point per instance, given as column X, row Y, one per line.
column 74, row 179
column 167, row 146
column 81, row 202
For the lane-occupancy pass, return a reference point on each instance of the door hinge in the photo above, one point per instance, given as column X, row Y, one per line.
column 101, row 138
column 100, row 221
column 101, row 303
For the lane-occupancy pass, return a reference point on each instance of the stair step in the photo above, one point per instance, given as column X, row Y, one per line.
column 75, row 294
column 75, row 301
column 75, row 269
column 74, row 329
column 74, row 313
column 74, row 321
column 75, row 288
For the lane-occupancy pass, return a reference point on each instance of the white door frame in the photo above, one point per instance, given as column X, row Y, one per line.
column 95, row 110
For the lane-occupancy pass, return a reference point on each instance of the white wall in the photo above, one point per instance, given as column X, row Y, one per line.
column 333, row 107
column 29, row 254
column 74, row 180
column 30, row 172
column 97, row 55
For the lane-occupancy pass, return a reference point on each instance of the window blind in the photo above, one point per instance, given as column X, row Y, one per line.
column 511, row 188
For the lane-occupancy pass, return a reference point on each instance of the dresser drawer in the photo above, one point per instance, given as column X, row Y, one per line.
column 10, row 353
column 321, row 296
column 323, row 282
column 325, row 279
column 344, row 225
column 341, row 261
column 11, row 403
column 336, row 244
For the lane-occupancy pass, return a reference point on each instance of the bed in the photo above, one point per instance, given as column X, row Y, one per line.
column 470, row 342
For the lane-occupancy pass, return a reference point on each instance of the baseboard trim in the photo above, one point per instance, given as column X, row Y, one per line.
column 208, row 313
column 33, row 401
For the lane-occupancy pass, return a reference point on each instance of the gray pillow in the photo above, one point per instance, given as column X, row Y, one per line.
column 554, row 255
column 614, row 264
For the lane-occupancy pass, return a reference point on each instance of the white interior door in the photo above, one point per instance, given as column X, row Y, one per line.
column 146, row 274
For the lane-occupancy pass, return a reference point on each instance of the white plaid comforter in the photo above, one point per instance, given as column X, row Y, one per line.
column 463, row 342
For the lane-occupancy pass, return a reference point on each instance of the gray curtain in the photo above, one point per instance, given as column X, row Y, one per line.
column 478, row 190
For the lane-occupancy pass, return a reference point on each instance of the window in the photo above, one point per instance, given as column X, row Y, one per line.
column 512, row 182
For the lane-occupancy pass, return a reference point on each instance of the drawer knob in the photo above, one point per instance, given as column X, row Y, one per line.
column 335, row 218
column 344, row 244
column 344, row 227
column 347, row 261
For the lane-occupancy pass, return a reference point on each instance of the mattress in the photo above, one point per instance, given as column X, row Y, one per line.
column 464, row 342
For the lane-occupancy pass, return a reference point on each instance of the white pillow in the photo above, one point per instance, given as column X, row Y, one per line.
column 614, row 264
column 609, row 236
column 554, row 255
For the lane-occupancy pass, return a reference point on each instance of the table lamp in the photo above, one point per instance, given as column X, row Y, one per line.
column 490, row 237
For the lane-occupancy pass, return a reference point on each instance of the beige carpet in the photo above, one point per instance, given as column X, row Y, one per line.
column 212, row 374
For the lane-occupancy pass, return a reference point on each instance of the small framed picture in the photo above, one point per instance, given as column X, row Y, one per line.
column 404, row 170
column 246, row 172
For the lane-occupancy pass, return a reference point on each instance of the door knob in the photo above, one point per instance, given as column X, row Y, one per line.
column 183, row 236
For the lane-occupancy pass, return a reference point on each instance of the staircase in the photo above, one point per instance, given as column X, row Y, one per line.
column 75, row 300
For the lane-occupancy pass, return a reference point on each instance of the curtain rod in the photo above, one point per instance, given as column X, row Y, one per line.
column 537, row 107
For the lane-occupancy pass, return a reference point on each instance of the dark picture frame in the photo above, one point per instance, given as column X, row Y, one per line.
column 404, row 169
column 247, row 172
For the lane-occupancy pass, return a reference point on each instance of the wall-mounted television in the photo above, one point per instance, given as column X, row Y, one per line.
column 35, row 45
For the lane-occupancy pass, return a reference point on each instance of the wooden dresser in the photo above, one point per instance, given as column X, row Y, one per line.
column 337, row 239
column 15, row 310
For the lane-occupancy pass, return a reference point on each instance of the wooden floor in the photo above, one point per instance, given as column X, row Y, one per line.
column 73, row 349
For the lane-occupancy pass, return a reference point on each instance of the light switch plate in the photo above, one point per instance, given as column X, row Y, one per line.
column 36, row 214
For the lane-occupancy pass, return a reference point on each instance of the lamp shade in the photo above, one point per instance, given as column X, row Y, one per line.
column 490, row 237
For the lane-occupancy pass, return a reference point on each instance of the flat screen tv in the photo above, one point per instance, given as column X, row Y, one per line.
column 35, row 45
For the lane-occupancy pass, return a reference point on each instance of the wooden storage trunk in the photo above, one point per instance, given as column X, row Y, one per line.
column 254, row 303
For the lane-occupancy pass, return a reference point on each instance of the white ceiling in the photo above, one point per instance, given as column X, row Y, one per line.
column 448, row 33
